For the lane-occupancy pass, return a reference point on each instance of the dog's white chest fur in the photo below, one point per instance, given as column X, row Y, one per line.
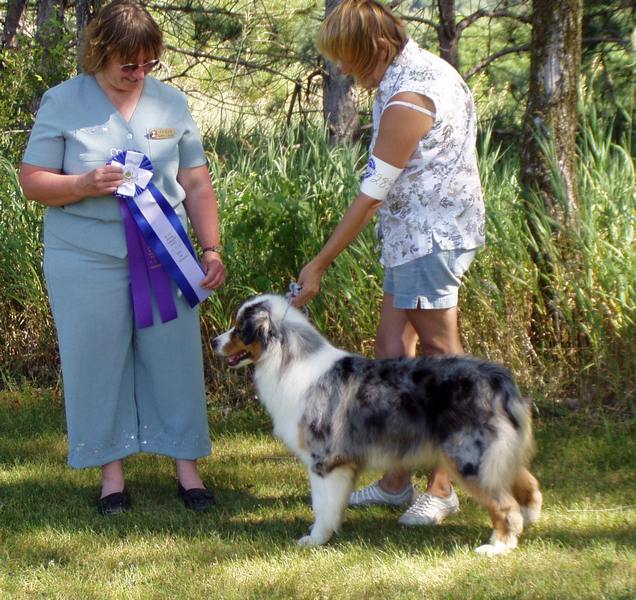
column 283, row 391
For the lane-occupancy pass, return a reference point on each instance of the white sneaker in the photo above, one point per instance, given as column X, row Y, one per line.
column 430, row 510
column 374, row 494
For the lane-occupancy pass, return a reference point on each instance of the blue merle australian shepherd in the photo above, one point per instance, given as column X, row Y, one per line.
column 341, row 413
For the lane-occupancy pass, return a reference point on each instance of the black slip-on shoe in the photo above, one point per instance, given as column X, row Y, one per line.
column 198, row 499
column 114, row 504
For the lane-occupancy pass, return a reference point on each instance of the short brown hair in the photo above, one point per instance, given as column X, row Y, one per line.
column 120, row 29
column 350, row 33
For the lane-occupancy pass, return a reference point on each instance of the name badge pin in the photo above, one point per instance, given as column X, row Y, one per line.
column 161, row 133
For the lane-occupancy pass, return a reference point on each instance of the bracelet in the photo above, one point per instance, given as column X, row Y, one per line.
column 214, row 248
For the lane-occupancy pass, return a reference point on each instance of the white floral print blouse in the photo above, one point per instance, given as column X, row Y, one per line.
column 438, row 195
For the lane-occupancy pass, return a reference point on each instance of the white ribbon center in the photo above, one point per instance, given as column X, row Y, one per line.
column 134, row 175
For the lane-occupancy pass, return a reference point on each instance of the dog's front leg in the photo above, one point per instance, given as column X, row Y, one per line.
column 329, row 498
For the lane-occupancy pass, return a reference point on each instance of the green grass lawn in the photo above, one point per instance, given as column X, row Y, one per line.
column 53, row 544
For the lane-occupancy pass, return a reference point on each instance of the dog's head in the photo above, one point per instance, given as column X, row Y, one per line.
column 257, row 325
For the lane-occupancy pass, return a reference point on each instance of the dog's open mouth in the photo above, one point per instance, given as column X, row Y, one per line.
column 235, row 359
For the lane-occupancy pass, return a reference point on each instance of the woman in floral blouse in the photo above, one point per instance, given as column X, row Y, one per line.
column 423, row 184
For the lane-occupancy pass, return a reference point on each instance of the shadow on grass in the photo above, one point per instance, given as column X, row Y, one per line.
column 576, row 463
column 241, row 520
column 31, row 506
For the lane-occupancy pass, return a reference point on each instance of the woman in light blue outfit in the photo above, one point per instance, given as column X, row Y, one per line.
column 126, row 389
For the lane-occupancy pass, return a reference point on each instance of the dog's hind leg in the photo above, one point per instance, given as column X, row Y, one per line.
column 506, row 519
column 329, row 498
column 526, row 491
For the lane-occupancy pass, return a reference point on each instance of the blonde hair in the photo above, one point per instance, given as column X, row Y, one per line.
column 120, row 29
column 350, row 33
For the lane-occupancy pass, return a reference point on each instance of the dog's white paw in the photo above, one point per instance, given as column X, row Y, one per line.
column 531, row 514
column 316, row 537
column 308, row 541
column 495, row 549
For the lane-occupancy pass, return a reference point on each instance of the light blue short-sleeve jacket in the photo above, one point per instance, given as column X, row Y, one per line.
column 77, row 129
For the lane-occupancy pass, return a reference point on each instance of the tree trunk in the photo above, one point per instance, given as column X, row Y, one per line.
column 552, row 111
column 339, row 99
column 548, row 149
column 84, row 11
column 447, row 33
column 49, row 35
column 12, row 22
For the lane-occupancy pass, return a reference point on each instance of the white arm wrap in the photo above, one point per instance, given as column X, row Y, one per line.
column 378, row 178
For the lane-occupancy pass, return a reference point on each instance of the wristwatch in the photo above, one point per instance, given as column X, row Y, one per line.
column 214, row 248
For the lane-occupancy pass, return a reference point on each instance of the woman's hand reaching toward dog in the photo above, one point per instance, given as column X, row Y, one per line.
column 309, row 282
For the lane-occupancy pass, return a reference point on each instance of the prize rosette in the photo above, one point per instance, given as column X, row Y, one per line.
column 159, row 249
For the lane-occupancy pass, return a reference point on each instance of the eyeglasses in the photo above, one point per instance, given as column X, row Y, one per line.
column 147, row 67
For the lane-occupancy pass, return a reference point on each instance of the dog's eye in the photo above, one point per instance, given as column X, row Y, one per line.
column 246, row 332
column 240, row 333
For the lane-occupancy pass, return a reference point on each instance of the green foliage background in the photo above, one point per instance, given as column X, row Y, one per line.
column 282, row 189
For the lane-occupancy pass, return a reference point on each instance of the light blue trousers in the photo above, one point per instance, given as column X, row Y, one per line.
column 126, row 390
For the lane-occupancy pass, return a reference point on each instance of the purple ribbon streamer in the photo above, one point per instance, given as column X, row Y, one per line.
column 160, row 283
column 142, row 266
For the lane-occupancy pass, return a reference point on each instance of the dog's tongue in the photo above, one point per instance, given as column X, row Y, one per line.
column 235, row 359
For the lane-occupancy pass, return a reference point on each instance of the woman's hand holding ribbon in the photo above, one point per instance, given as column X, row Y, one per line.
column 214, row 271
column 102, row 181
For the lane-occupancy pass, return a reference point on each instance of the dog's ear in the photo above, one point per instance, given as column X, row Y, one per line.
column 256, row 324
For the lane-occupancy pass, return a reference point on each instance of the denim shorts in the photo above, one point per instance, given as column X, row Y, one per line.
column 431, row 281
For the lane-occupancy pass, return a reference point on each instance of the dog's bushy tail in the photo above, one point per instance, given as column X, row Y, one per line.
column 513, row 446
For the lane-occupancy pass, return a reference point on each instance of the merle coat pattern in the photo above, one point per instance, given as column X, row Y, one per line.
column 341, row 413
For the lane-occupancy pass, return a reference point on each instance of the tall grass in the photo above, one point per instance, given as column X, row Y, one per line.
column 282, row 191
column 281, row 200
column 27, row 345
column 594, row 275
